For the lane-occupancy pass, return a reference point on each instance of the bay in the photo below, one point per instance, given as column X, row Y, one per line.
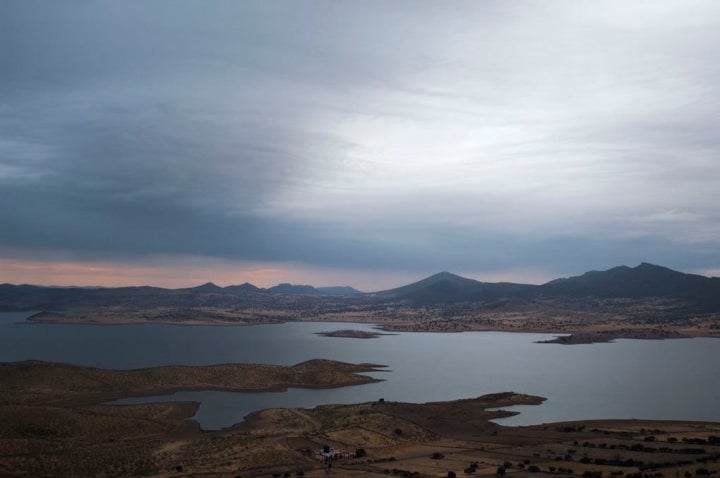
column 668, row 379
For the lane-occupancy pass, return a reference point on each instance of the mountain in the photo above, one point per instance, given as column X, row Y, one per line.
column 291, row 289
column 242, row 288
column 338, row 290
column 205, row 288
column 30, row 297
column 446, row 287
column 697, row 293
column 286, row 288
column 643, row 281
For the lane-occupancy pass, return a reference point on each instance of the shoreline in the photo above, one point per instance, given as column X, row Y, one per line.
column 55, row 417
column 370, row 439
column 34, row 381
column 351, row 334
column 578, row 335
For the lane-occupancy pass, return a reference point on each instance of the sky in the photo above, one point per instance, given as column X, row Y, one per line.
column 363, row 143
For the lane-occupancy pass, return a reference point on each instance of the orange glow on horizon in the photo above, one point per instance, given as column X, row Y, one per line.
column 116, row 275
column 178, row 272
column 189, row 272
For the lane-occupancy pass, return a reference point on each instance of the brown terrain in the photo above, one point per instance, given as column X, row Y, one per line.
column 643, row 302
column 54, row 419
column 352, row 334
column 43, row 382
column 592, row 321
column 53, row 423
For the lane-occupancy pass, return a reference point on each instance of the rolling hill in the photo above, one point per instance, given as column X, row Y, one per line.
column 644, row 281
column 446, row 287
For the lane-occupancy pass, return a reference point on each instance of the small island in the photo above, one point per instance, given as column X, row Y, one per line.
column 352, row 334
column 603, row 336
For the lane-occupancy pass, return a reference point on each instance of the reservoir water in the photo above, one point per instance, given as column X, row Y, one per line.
column 668, row 379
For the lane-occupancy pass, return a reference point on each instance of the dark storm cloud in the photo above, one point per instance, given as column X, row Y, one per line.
column 468, row 136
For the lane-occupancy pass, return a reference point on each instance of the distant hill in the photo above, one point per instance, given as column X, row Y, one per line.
column 643, row 281
column 242, row 288
column 286, row 288
column 339, row 290
column 699, row 293
column 207, row 287
column 446, row 287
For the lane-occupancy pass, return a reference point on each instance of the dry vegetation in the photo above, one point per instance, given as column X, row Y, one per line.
column 43, row 382
column 352, row 334
column 52, row 422
column 587, row 320
column 393, row 439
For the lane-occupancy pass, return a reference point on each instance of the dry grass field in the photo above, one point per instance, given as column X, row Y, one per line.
column 583, row 321
column 53, row 424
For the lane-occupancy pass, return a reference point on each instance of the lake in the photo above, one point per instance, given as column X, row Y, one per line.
column 668, row 379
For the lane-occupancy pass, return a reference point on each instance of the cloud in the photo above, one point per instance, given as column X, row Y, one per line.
column 469, row 136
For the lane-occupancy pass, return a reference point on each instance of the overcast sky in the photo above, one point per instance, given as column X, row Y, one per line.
column 366, row 143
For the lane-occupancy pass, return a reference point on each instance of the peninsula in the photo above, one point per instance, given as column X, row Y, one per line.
column 53, row 422
column 643, row 302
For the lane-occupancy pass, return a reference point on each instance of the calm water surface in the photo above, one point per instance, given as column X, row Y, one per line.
column 670, row 379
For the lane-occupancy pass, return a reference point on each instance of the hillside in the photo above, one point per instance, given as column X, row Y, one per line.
column 446, row 287
column 643, row 281
column 646, row 281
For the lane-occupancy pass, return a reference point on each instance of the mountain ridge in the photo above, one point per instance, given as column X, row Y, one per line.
column 642, row 281
column 446, row 287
